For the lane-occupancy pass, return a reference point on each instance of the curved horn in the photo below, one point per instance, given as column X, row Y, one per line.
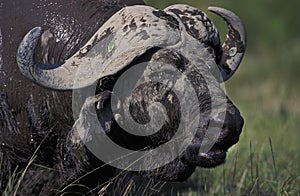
column 28, row 66
column 235, row 44
column 126, row 35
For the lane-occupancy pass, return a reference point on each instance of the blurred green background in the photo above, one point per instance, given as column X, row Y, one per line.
column 266, row 89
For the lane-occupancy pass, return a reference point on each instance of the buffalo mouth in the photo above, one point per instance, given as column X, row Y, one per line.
column 229, row 135
column 214, row 157
column 183, row 167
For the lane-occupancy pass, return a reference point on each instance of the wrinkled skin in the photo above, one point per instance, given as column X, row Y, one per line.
column 38, row 113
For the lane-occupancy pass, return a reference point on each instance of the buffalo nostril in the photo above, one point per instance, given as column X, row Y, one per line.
column 234, row 121
column 232, row 128
column 232, row 124
column 240, row 123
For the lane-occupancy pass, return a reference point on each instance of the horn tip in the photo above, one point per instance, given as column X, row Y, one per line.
column 232, row 19
column 213, row 8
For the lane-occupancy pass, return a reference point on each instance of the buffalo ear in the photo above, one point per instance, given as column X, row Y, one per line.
column 235, row 44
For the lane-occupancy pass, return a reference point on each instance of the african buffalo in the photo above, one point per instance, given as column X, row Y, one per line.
column 88, row 46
